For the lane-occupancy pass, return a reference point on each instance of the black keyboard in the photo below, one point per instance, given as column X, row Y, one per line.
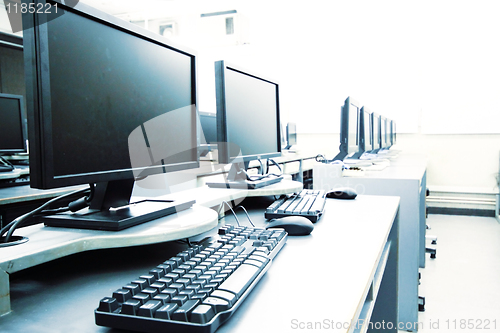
column 197, row 290
column 308, row 203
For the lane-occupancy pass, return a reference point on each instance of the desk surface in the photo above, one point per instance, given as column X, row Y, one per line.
column 346, row 244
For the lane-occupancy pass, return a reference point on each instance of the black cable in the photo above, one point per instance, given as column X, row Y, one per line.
column 12, row 226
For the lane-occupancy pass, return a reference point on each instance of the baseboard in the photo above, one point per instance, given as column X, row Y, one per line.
column 461, row 211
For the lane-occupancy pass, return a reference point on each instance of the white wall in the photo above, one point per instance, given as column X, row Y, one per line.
column 456, row 163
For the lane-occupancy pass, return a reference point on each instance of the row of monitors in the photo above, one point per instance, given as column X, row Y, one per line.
column 362, row 131
column 109, row 103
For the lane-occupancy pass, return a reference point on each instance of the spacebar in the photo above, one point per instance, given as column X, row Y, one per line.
column 241, row 278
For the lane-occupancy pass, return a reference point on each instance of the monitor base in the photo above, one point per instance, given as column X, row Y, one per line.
column 119, row 218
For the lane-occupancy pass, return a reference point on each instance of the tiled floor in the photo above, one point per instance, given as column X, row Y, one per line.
column 462, row 285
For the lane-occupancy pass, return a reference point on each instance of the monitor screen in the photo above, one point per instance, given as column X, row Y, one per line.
column 108, row 102
column 365, row 130
column 376, row 138
column 12, row 126
column 291, row 134
column 349, row 129
column 248, row 118
column 99, row 82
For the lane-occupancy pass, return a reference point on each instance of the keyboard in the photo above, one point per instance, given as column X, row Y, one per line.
column 198, row 289
column 308, row 203
column 247, row 184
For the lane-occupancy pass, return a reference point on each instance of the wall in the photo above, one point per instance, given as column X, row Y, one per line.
column 456, row 163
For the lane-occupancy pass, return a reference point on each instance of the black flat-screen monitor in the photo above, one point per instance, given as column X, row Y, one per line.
column 365, row 139
column 393, row 132
column 209, row 127
column 291, row 135
column 376, row 137
column 349, row 127
column 384, row 133
column 108, row 103
column 12, row 124
column 248, row 119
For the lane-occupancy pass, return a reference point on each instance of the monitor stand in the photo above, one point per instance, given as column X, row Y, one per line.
column 111, row 209
column 5, row 166
column 236, row 179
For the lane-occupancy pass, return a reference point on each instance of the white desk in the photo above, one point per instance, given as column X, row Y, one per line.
column 406, row 178
column 351, row 258
column 49, row 243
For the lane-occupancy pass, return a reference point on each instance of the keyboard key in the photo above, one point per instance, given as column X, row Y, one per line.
column 131, row 306
column 108, row 304
column 241, row 278
column 202, row 314
column 218, row 304
column 166, row 311
column 149, row 309
column 184, row 311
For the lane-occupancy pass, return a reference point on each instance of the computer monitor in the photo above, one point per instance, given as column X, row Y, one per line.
column 393, row 132
column 365, row 138
column 291, row 135
column 208, row 130
column 376, row 137
column 248, row 121
column 349, row 127
column 12, row 124
column 209, row 126
column 12, row 129
column 384, row 133
column 108, row 103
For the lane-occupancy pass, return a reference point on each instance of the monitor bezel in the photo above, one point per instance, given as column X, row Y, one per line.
column 224, row 147
column 37, row 73
column 24, row 133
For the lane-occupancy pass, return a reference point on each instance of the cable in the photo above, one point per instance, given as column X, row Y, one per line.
column 248, row 216
column 12, row 226
column 232, row 211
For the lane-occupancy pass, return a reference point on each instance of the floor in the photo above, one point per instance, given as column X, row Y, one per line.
column 462, row 285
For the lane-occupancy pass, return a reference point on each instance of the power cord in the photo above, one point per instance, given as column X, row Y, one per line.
column 16, row 223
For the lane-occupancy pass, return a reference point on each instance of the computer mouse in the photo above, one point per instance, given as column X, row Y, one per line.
column 293, row 225
column 342, row 193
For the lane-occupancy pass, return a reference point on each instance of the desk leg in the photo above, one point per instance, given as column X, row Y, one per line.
column 385, row 312
column 4, row 293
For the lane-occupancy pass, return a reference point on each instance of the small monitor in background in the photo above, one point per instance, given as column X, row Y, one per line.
column 291, row 135
column 349, row 127
column 248, row 124
column 209, row 126
column 208, row 132
column 384, row 133
column 12, row 129
column 365, row 124
column 393, row 132
column 12, row 125
column 376, row 137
